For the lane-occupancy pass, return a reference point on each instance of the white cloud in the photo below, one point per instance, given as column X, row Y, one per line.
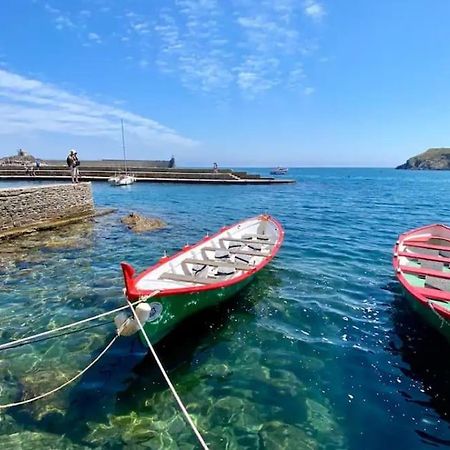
column 314, row 9
column 60, row 19
column 28, row 105
column 94, row 37
column 248, row 46
column 309, row 90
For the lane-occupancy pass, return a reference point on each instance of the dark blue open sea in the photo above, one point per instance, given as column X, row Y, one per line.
column 320, row 352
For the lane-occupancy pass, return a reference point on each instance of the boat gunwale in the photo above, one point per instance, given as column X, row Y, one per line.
column 134, row 293
column 414, row 292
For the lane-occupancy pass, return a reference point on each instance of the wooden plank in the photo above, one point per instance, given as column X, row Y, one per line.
column 438, row 283
column 425, row 272
column 444, row 248
column 261, row 237
column 246, row 241
column 441, row 259
column 239, row 252
column 219, row 263
column 186, row 278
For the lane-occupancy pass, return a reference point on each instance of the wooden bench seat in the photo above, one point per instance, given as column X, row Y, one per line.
column 426, row 272
column 426, row 245
column 246, row 241
column 260, row 237
column 219, row 263
column 238, row 252
column 425, row 257
column 187, row 278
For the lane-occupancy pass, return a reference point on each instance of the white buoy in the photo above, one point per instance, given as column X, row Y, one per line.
column 128, row 325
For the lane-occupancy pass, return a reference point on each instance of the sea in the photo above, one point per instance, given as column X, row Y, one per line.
column 321, row 351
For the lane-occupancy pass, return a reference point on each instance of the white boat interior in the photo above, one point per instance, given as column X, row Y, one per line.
column 228, row 255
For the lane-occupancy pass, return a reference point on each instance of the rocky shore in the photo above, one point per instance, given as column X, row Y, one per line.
column 432, row 159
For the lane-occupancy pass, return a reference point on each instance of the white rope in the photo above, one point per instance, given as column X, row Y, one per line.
column 78, row 375
column 74, row 324
column 443, row 321
column 169, row 383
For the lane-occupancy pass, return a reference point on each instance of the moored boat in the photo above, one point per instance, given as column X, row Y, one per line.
column 422, row 264
column 279, row 171
column 205, row 274
column 125, row 178
column 121, row 180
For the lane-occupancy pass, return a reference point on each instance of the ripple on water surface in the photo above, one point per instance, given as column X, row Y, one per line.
column 320, row 352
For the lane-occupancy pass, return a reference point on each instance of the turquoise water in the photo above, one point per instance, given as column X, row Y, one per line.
column 321, row 352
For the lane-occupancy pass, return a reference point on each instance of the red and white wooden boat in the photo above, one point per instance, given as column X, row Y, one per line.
column 205, row 274
column 422, row 265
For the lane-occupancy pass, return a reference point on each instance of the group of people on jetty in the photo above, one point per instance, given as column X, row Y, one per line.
column 73, row 163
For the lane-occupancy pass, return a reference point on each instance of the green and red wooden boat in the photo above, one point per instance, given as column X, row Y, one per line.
column 422, row 265
column 203, row 275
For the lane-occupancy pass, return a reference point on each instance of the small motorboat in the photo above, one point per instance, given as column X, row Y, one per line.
column 279, row 171
column 122, row 180
column 422, row 264
column 203, row 275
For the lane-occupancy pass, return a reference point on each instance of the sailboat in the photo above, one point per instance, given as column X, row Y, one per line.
column 125, row 178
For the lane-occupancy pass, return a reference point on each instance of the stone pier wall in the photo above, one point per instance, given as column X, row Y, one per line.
column 28, row 208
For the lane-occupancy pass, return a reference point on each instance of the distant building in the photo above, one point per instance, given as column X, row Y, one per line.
column 22, row 158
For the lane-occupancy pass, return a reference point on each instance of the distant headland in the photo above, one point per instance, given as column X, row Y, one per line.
column 432, row 159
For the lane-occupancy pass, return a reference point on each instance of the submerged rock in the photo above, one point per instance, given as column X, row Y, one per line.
column 277, row 435
column 29, row 440
column 139, row 223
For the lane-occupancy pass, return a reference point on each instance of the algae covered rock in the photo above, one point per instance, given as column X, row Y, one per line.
column 139, row 224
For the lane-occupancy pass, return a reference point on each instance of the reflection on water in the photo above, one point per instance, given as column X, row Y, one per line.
column 320, row 352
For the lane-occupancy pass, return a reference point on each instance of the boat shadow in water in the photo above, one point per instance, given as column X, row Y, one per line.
column 423, row 351
column 114, row 384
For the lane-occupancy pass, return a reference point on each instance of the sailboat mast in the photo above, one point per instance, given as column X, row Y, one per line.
column 123, row 147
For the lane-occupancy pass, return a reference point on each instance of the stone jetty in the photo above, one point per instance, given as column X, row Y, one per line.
column 31, row 208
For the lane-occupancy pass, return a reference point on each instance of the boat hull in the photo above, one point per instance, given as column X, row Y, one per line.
column 428, row 315
column 171, row 310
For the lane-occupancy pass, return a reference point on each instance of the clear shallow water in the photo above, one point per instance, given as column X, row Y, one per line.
column 321, row 352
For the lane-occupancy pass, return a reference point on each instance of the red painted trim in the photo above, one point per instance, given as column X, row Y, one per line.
column 133, row 293
column 420, row 294
column 434, row 294
column 424, row 244
column 404, row 236
column 429, row 272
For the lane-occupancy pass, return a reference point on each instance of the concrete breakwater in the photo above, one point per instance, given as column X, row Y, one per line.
column 101, row 171
column 26, row 209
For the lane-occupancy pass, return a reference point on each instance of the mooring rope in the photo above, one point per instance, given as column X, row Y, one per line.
column 78, row 375
column 169, row 383
column 443, row 321
column 13, row 344
column 46, row 338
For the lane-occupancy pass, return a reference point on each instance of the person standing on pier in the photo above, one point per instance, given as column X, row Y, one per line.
column 73, row 162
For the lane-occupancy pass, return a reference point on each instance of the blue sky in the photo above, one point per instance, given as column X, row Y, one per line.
column 240, row 82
